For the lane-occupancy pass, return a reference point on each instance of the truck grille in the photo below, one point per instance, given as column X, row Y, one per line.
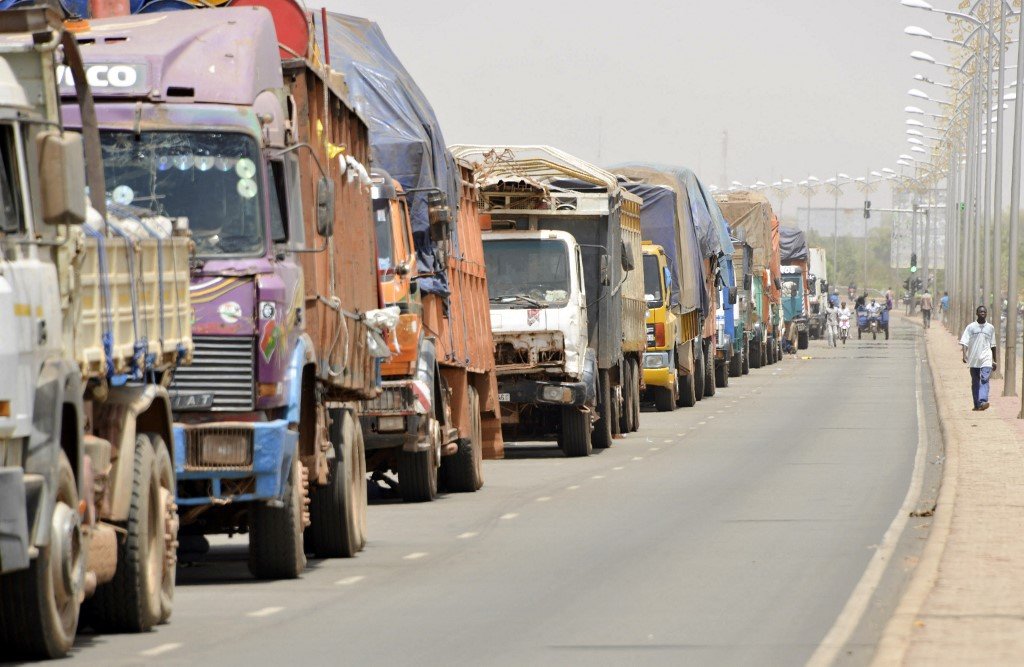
column 224, row 366
column 396, row 399
column 218, row 447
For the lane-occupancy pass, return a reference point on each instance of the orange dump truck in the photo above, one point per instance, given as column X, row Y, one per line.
column 438, row 413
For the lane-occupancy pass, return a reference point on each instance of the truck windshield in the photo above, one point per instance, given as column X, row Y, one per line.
column 527, row 273
column 652, row 282
column 385, row 236
column 211, row 178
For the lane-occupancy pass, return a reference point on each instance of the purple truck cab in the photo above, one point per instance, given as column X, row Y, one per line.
column 194, row 115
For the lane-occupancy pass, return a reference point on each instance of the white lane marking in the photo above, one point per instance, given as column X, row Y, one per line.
column 266, row 611
column 348, row 581
column 680, row 434
column 157, row 650
column 618, row 467
column 721, row 412
column 416, row 555
column 597, row 477
column 638, row 458
column 711, row 416
column 510, row 515
column 543, row 499
column 653, row 449
column 668, row 441
column 466, row 535
column 572, row 488
column 850, row 617
column 701, row 423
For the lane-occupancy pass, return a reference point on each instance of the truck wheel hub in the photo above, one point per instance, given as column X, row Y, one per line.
column 67, row 568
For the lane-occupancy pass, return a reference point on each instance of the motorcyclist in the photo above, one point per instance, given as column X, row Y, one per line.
column 844, row 322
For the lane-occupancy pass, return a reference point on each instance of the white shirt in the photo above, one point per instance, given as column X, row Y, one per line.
column 979, row 340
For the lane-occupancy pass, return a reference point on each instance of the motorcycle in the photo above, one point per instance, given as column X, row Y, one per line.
column 844, row 329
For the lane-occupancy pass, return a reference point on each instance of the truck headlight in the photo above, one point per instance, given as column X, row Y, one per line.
column 656, row 360
column 556, row 394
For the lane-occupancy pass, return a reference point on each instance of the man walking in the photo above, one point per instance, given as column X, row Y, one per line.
column 944, row 305
column 979, row 348
column 926, row 308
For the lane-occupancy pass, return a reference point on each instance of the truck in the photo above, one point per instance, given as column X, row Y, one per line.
column 438, row 413
column 695, row 241
column 795, row 285
column 266, row 158
column 731, row 338
column 751, row 214
column 744, row 313
column 564, row 274
column 95, row 306
column 673, row 284
column 817, row 282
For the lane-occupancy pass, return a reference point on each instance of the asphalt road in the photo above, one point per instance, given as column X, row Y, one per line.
column 729, row 533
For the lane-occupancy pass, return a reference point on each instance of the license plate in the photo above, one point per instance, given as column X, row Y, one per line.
column 504, row 398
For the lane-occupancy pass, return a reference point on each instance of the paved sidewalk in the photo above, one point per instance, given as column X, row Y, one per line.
column 965, row 603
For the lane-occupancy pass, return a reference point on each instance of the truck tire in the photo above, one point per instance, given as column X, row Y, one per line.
column 746, row 361
column 722, row 372
column 337, row 511
column 575, row 438
column 699, row 374
column 736, row 363
column 417, row 473
column 38, row 610
column 664, row 398
column 709, row 372
column 140, row 593
column 770, row 354
column 602, row 437
column 275, row 533
column 754, row 355
column 801, row 340
column 636, row 394
column 463, row 471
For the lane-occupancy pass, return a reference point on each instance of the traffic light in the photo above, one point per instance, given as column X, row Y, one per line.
column 867, row 209
column 913, row 262
column 906, row 284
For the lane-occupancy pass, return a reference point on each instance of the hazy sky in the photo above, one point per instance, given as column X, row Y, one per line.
column 801, row 86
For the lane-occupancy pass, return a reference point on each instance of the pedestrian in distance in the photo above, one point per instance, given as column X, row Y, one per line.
column 979, row 349
column 831, row 324
column 926, row 308
column 944, row 305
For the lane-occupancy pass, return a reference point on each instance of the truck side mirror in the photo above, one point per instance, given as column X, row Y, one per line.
column 606, row 276
column 668, row 279
column 627, row 257
column 748, row 282
column 325, row 207
column 403, row 269
column 62, row 177
column 733, row 295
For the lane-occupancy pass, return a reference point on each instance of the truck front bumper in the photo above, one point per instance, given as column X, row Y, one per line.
column 232, row 462
column 545, row 392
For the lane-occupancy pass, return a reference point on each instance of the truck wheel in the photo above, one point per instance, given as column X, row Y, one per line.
column 463, row 471
column 664, row 398
column 736, row 363
column 337, row 511
column 699, row 374
column 746, row 361
column 801, row 340
column 139, row 595
column 602, row 438
column 770, row 355
column 39, row 606
column 636, row 394
column 687, row 396
column 417, row 471
column 722, row 372
column 754, row 355
column 575, row 439
column 275, row 533
column 709, row 373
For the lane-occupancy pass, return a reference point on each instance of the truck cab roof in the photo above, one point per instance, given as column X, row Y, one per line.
column 540, row 234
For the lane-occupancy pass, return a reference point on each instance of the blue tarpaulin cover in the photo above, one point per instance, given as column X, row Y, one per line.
column 405, row 136
column 792, row 245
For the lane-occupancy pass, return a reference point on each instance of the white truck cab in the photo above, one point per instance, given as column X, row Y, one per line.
column 538, row 308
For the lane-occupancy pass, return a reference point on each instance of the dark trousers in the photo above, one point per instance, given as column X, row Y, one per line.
column 979, row 384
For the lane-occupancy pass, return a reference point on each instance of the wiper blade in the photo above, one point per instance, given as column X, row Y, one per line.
column 515, row 297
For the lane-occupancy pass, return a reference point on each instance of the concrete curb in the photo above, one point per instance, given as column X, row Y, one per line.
column 896, row 637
